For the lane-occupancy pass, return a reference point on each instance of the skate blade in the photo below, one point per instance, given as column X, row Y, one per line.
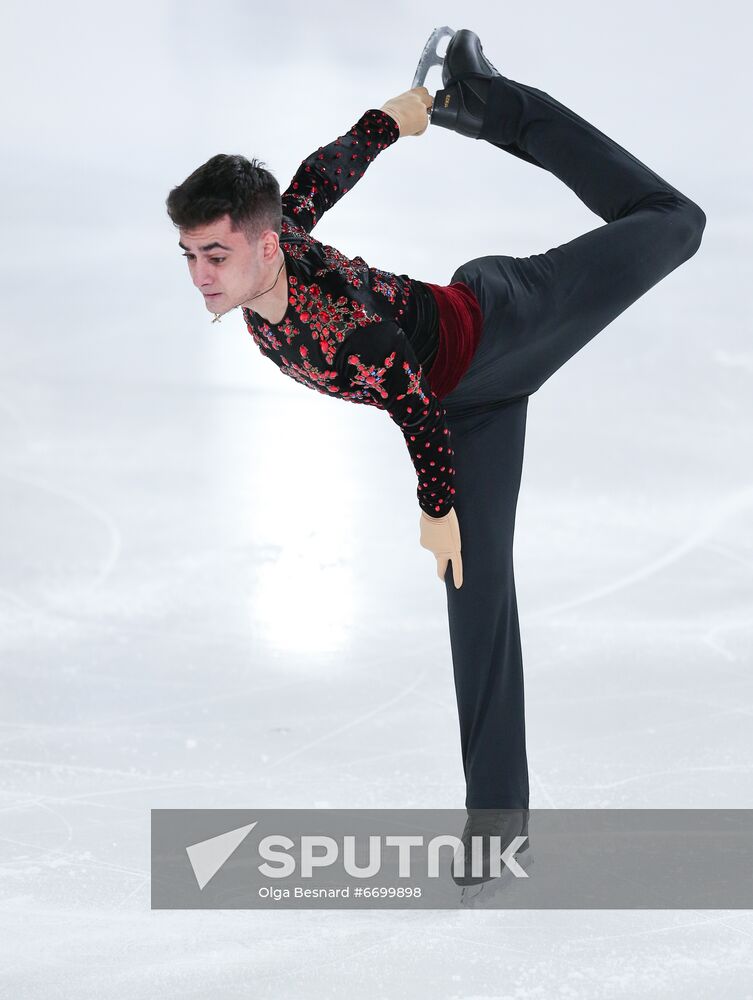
column 430, row 56
column 479, row 896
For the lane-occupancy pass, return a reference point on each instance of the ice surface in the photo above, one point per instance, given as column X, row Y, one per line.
column 198, row 603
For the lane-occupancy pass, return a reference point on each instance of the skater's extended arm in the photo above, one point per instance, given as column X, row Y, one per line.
column 332, row 170
column 380, row 365
column 381, row 368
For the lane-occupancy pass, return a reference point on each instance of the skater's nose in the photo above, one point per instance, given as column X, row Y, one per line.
column 202, row 275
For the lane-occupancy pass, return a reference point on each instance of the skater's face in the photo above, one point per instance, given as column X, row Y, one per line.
column 225, row 267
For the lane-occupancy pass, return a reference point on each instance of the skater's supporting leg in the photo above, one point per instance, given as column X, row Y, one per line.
column 483, row 614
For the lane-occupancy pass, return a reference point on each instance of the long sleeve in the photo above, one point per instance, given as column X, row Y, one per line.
column 325, row 176
column 378, row 361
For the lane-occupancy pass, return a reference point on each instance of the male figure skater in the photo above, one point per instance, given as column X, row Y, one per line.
column 453, row 365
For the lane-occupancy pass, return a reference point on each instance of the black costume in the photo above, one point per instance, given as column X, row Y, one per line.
column 538, row 311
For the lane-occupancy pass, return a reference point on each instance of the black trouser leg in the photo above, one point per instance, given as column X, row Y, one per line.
column 555, row 302
column 483, row 613
column 538, row 312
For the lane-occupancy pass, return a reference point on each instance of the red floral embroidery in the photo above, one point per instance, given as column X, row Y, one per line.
column 335, row 337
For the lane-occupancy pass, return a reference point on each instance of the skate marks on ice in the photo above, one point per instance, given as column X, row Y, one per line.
column 35, row 521
column 358, row 721
column 737, row 503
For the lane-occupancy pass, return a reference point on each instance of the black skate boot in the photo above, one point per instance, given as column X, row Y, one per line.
column 466, row 73
column 494, row 830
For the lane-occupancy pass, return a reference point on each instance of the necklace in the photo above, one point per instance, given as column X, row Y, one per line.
column 218, row 316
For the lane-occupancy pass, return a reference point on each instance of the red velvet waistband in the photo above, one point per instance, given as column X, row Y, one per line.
column 460, row 322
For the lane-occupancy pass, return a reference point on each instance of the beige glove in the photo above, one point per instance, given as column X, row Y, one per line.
column 442, row 536
column 410, row 110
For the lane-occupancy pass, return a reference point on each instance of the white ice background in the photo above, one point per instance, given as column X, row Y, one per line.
column 201, row 606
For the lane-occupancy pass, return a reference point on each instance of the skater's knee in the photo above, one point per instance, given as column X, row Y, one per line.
column 694, row 221
column 688, row 220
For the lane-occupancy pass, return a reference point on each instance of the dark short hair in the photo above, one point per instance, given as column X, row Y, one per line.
column 228, row 185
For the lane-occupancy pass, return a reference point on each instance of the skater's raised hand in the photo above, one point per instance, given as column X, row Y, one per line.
column 442, row 536
column 410, row 110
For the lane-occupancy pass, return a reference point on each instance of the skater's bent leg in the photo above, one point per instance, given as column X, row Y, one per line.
column 605, row 176
column 560, row 299
column 552, row 303
column 483, row 615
